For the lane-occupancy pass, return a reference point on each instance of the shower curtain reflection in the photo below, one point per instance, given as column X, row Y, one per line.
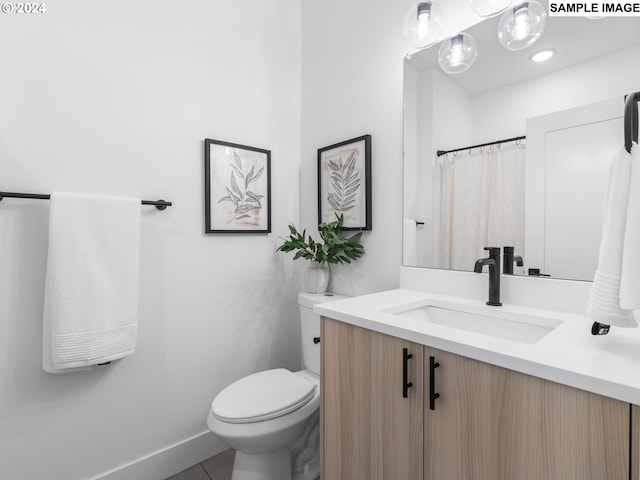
column 481, row 203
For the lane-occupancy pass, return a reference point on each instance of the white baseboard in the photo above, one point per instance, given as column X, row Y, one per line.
column 168, row 461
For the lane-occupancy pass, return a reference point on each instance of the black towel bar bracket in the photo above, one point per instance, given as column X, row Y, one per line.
column 631, row 120
column 159, row 204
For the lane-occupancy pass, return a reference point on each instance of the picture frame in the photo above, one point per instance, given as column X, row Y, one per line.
column 237, row 188
column 344, row 183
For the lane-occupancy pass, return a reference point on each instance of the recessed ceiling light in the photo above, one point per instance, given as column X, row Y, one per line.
column 542, row 55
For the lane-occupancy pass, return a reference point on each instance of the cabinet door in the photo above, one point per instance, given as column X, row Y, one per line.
column 491, row 423
column 369, row 430
column 635, row 442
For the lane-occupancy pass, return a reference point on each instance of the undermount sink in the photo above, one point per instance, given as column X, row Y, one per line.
column 509, row 325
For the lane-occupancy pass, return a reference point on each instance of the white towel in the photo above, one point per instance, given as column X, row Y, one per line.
column 91, row 291
column 604, row 300
column 630, row 279
column 409, row 243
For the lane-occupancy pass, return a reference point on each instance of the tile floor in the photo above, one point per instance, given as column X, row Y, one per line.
column 214, row 468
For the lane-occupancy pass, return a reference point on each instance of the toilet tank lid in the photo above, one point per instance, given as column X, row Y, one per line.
column 311, row 299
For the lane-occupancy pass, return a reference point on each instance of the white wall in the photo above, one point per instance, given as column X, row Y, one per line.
column 116, row 97
column 351, row 85
column 412, row 133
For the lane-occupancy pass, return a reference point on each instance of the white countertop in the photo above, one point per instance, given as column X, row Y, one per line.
column 608, row 364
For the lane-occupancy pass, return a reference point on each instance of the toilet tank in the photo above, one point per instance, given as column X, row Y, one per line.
column 310, row 327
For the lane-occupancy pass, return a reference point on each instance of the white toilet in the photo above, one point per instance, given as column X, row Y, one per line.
column 271, row 418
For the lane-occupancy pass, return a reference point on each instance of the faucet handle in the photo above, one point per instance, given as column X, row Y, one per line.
column 493, row 251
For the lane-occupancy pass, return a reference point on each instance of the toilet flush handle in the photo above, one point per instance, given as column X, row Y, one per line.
column 316, row 340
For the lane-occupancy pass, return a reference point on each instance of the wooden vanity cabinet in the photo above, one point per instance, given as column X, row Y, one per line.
column 635, row 443
column 491, row 423
column 369, row 431
column 488, row 422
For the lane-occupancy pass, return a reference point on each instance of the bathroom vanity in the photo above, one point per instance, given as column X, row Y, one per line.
column 427, row 381
column 515, row 393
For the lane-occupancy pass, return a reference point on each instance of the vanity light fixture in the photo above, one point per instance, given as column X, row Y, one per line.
column 457, row 53
column 521, row 25
column 543, row 55
column 489, row 8
column 422, row 24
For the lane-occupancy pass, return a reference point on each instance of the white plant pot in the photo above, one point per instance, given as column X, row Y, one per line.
column 317, row 277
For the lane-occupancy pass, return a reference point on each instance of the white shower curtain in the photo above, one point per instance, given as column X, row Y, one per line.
column 481, row 203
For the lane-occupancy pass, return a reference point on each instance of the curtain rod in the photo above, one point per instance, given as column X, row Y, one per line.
column 513, row 139
column 159, row 204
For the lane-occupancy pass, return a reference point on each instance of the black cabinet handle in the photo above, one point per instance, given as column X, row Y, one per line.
column 316, row 340
column 406, row 385
column 432, row 382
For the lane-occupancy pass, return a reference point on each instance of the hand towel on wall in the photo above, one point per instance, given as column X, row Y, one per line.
column 604, row 300
column 630, row 279
column 91, row 290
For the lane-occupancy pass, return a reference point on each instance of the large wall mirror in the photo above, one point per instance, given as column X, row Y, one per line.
column 541, row 194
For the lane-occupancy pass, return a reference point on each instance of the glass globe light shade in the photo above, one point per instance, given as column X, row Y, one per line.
column 488, row 8
column 522, row 25
column 423, row 24
column 457, row 53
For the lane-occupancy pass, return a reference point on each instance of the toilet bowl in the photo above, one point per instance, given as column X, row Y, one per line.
column 270, row 417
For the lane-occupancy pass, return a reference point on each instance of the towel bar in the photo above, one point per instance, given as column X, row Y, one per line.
column 631, row 120
column 159, row 204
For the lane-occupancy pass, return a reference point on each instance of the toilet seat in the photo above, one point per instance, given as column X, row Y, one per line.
column 262, row 396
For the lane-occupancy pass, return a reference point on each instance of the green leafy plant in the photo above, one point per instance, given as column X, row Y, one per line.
column 333, row 248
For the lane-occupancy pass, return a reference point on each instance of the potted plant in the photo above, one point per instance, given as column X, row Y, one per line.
column 333, row 249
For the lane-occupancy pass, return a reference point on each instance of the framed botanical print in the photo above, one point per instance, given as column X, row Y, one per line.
column 237, row 188
column 344, row 183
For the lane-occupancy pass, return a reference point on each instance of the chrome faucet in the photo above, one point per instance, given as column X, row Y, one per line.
column 493, row 261
column 509, row 258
